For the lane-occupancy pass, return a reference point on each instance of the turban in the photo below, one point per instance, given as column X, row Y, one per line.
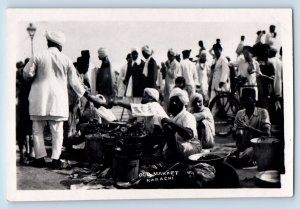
column 56, row 37
column 134, row 49
column 102, row 52
column 195, row 96
column 152, row 93
column 172, row 52
column 147, row 50
column 181, row 94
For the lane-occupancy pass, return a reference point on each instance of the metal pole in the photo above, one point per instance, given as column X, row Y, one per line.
column 124, row 96
column 32, row 46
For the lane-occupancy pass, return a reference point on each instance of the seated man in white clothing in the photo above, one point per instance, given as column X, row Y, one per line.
column 149, row 109
column 205, row 121
column 152, row 112
column 180, row 131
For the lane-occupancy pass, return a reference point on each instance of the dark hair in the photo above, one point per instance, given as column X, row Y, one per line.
column 180, row 80
column 242, row 38
column 248, row 48
column 272, row 27
column 248, row 92
column 52, row 44
column 128, row 56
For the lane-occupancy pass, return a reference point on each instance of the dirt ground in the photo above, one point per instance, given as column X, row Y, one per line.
column 31, row 178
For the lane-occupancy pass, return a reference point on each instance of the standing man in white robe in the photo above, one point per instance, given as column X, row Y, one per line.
column 50, row 72
column 121, row 86
column 188, row 71
column 220, row 78
column 171, row 69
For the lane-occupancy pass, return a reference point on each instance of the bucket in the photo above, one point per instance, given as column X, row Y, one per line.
column 125, row 166
column 94, row 148
column 266, row 151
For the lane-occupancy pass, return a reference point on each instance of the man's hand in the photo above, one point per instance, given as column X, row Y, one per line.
column 242, row 124
column 166, row 121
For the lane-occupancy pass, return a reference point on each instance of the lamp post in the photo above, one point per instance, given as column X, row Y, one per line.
column 31, row 31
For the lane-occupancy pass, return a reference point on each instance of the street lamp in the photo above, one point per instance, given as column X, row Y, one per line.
column 31, row 31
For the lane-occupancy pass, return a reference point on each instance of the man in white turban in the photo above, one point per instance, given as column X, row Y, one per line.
column 205, row 121
column 181, row 130
column 50, row 71
column 181, row 94
column 150, row 68
column 149, row 109
column 204, row 74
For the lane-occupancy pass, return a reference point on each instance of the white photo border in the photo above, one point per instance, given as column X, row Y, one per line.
column 281, row 16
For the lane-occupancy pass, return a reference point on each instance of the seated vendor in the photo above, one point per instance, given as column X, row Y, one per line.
column 149, row 109
column 180, row 131
column 249, row 123
column 205, row 121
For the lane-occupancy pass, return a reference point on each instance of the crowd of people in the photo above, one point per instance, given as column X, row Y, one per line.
column 171, row 96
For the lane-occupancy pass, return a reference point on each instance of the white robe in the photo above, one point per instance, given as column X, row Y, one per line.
column 51, row 72
column 220, row 74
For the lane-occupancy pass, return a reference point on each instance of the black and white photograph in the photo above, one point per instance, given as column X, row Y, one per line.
column 150, row 103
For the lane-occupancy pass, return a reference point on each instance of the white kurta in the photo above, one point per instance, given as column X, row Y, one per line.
column 187, row 120
column 242, row 70
column 152, row 112
column 188, row 71
column 220, row 74
column 51, row 71
column 121, row 86
column 170, row 77
column 203, row 70
column 276, row 62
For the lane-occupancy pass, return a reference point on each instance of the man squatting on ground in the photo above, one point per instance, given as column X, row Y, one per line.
column 250, row 122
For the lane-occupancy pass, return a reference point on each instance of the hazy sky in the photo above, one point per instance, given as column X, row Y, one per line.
column 119, row 37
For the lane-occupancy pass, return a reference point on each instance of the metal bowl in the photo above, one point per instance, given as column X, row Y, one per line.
column 211, row 158
column 268, row 179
